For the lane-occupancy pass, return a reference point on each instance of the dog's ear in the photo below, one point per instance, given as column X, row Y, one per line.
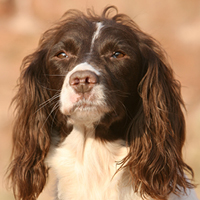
column 31, row 131
column 157, row 132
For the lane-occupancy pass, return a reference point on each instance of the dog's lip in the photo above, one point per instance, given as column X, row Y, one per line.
column 87, row 99
column 76, row 98
column 84, row 103
column 88, row 105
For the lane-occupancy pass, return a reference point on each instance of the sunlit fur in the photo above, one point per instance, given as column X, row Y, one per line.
column 143, row 129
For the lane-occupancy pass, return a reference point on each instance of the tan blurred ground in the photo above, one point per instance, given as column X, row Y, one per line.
column 175, row 23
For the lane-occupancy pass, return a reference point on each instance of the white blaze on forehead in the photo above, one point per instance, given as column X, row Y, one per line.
column 99, row 26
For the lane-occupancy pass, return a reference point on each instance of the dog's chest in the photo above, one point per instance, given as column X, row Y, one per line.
column 85, row 168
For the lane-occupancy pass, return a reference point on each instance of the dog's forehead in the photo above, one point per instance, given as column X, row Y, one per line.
column 89, row 31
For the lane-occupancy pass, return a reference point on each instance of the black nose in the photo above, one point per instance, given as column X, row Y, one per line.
column 83, row 81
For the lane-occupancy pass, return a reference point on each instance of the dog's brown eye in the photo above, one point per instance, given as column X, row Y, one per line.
column 118, row 54
column 62, row 55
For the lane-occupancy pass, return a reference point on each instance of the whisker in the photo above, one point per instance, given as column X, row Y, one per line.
column 120, row 93
column 50, row 89
column 55, row 75
column 124, row 107
column 54, row 118
column 53, row 109
column 48, row 101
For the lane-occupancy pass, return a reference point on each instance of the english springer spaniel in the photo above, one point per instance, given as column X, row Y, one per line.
column 98, row 103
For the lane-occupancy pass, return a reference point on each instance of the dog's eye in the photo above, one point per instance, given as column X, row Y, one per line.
column 62, row 55
column 118, row 54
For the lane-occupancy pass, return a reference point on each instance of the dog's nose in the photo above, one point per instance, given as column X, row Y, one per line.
column 83, row 81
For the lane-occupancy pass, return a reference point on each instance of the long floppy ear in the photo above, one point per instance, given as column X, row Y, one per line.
column 157, row 132
column 31, row 131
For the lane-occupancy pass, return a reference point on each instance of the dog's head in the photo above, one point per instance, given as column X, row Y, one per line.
column 97, row 65
column 105, row 72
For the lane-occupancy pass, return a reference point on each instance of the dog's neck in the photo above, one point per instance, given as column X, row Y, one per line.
column 91, row 164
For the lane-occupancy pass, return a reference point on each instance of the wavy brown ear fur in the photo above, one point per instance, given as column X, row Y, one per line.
column 157, row 133
column 31, row 130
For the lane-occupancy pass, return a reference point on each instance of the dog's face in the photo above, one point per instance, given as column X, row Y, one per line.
column 97, row 69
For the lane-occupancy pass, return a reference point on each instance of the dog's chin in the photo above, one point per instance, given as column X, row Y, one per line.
column 85, row 112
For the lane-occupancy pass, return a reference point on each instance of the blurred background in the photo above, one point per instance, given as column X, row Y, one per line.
column 174, row 23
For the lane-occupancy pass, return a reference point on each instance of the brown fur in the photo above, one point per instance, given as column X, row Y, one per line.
column 156, row 132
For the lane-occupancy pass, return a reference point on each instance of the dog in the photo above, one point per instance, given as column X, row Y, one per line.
column 98, row 103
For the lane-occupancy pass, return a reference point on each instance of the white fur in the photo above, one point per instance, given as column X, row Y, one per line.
column 96, row 34
column 85, row 169
column 191, row 195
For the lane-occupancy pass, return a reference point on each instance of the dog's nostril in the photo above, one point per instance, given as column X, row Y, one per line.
column 83, row 81
column 75, row 81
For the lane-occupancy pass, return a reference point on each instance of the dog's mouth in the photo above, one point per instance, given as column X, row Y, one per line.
column 86, row 108
column 85, row 105
column 85, row 111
